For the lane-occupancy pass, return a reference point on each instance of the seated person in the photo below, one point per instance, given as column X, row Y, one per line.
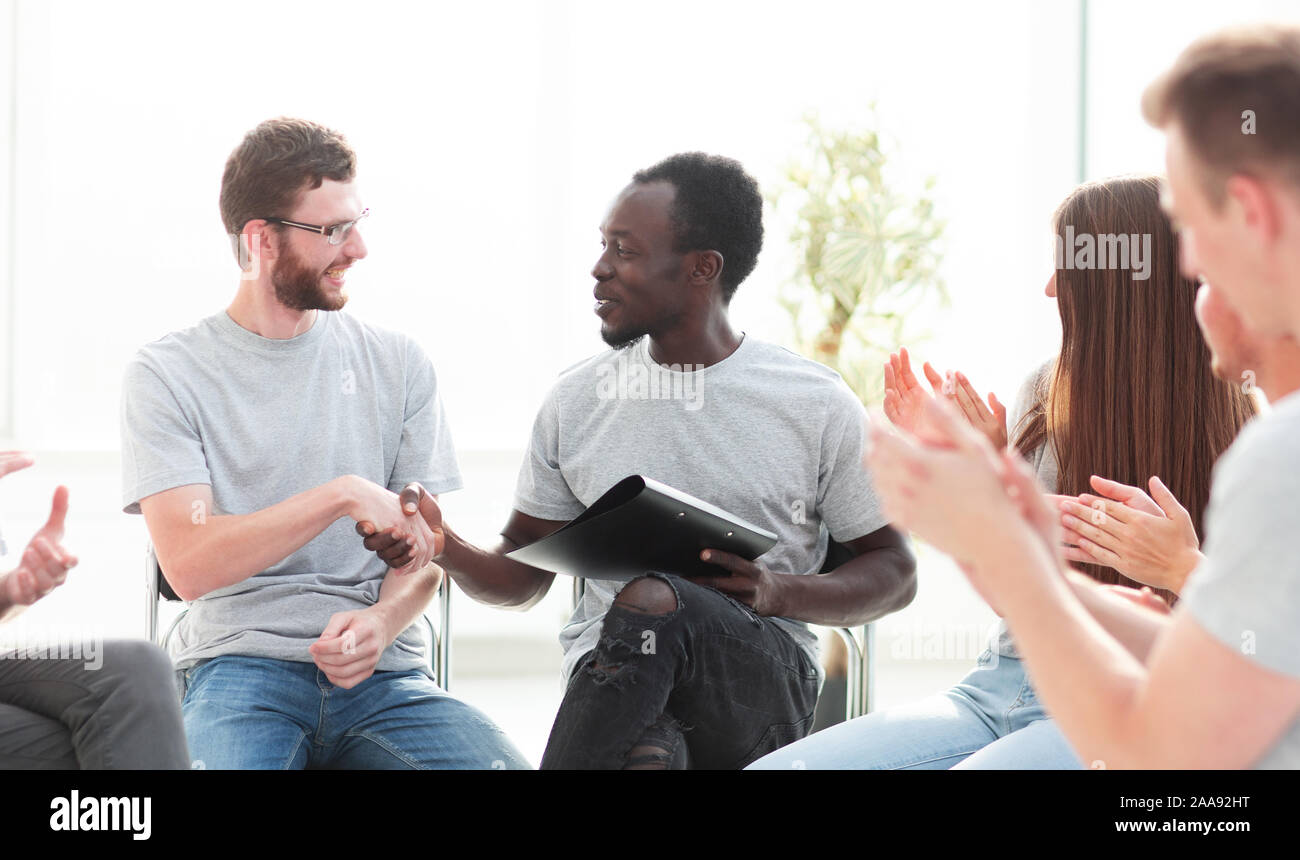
column 246, row 439
column 753, row 428
column 1150, row 538
column 1134, row 695
column 992, row 718
column 59, row 713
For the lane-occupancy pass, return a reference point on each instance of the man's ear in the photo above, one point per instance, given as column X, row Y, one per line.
column 258, row 246
column 704, row 267
column 1258, row 203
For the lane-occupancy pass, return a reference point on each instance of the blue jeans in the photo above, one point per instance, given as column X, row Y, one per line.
column 259, row 713
column 991, row 720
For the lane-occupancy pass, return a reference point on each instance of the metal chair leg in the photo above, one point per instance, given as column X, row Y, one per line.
column 442, row 639
column 861, row 680
column 151, row 573
column 869, row 668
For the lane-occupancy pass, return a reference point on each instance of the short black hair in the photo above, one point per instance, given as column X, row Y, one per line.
column 717, row 207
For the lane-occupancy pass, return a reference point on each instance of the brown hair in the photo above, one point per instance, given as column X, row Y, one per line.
column 1214, row 82
column 1132, row 393
column 277, row 162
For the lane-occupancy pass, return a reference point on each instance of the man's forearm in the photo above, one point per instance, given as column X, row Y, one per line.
column 217, row 551
column 1134, row 627
column 862, row 589
column 1088, row 680
column 402, row 597
column 489, row 577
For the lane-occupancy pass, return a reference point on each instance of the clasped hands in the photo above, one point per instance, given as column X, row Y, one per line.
column 407, row 527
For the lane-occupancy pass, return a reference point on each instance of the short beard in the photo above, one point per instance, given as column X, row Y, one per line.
column 626, row 339
column 621, row 341
column 298, row 288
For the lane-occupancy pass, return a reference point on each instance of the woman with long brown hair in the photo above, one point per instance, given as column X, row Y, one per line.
column 1131, row 395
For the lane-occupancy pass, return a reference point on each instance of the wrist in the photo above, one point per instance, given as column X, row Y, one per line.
column 454, row 550
column 1030, row 570
column 1187, row 562
column 779, row 595
column 344, row 496
column 383, row 619
column 1003, row 528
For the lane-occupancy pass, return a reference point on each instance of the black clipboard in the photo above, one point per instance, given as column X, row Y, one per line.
column 640, row 525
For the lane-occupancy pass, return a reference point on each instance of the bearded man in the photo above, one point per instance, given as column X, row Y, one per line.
column 250, row 443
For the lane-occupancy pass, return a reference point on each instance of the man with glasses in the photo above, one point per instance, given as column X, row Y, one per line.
column 250, row 442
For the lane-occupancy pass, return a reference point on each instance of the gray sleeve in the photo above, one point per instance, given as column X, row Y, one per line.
column 161, row 447
column 1025, row 398
column 426, row 453
column 846, row 498
column 542, row 491
column 1246, row 592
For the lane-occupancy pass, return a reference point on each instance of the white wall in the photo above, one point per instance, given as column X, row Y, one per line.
column 1131, row 43
column 492, row 136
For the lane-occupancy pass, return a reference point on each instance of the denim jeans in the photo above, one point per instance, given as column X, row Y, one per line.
column 260, row 713
column 991, row 720
column 64, row 714
column 712, row 683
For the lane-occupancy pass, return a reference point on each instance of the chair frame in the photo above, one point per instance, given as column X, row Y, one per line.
column 158, row 590
column 861, row 644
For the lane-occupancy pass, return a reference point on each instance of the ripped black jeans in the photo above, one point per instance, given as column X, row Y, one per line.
column 710, row 684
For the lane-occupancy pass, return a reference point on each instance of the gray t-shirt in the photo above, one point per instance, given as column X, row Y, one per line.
column 770, row 436
column 1045, row 469
column 260, row 420
column 1246, row 593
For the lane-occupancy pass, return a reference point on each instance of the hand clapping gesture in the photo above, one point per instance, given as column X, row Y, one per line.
column 905, row 399
column 1150, row 539
column 960, row 495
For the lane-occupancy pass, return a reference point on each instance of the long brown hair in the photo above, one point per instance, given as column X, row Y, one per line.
column 1131, row 394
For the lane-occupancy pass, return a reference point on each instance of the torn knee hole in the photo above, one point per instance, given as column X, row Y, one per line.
column 662, row 746
column 649, row 758
column 648, row 595
column 614, row 674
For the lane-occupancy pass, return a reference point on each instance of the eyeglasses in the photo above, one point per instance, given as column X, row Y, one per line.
column 335, row 234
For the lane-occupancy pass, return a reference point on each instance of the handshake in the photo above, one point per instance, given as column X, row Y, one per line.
column 405, row 530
